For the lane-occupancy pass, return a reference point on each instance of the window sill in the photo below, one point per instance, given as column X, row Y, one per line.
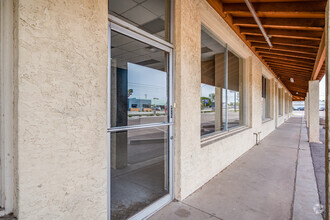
column 266, row 120
column 216, row 137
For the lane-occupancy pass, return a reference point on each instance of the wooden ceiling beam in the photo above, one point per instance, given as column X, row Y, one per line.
column 301, row 92
column 256, row 1
column 288, row 66
column 296, row 34
column 288, row 41
column 297, row 88
column 298, row 53
column 288, row 69
column 286, row 48
column 311, row 24
column 284, row 53
column 291, row 73
column 283, row 70
column 279, row 14
column 302, row 87
column 291, row 63
column 280, row 57
column 309, row 9
column 289, row 7
column 296, row 83
column 286, row 63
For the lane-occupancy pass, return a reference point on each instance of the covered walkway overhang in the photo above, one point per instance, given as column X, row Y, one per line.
column 291, row 38
column 295, row 29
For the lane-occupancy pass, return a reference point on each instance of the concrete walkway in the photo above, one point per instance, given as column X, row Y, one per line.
column 318, row 156
column 274, row 180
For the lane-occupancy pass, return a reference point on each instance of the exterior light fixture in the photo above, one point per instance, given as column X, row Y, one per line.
column 292, row 80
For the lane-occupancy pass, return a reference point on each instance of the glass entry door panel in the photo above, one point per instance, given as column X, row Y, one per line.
column 139, row 82
column 139, row 164
column 139, row 132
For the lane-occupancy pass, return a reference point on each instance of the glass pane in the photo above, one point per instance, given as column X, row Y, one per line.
column 265, row 98
column 139, row 82
column 152, row 16
column 279, row 101
column 263, row 108
column 234, row 91
column 139, row 169
column 212, row 78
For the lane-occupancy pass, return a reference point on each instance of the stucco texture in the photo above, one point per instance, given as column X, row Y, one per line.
column 61, row 107
column 196, row 164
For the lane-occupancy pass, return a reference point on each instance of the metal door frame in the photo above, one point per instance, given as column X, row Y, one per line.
column 129, row 30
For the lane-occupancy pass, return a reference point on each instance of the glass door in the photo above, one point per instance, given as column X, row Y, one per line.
column 140, row 124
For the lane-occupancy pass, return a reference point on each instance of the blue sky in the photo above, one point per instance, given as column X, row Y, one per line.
column 147, row 83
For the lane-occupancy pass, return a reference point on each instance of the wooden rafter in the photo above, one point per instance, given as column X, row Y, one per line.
column 311, row 24
column 297, row 34
column 296, row 49
column 287, row 41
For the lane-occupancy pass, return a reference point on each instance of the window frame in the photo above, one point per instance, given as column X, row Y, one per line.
column 8, row 116
column 242, row 94
column 280, row 101
column 267, row 98
column 132, row 31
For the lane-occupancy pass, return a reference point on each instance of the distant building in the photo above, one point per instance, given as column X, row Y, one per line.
column 139, row 103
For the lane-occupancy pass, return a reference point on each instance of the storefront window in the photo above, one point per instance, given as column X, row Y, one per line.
column 265, row 98
column 221, row 86
column 234, row 91
column 280, row 101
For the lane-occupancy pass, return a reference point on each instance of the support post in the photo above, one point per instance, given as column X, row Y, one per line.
column 327, row 111
column 313, row 112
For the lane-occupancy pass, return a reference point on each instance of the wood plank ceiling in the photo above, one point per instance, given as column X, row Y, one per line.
column 295, row 28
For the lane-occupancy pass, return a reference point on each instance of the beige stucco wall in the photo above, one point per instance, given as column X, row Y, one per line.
column 60, row 102
column 196, row 164
column 61, row 105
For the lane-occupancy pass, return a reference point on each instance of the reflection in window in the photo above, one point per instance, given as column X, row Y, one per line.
column 286, row 103
column 280, row 101
column 221, row 92
column 152, row 16
column 139, row 82
column 233, row 92
column 139, row 95
column 139, row 169
column 265, row 98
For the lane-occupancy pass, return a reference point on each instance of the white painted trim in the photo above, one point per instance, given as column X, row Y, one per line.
column 130, row 27
column 152, row 209
column 6, row 102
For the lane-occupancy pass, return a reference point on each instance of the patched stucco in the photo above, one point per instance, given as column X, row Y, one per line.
column 61, row 107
